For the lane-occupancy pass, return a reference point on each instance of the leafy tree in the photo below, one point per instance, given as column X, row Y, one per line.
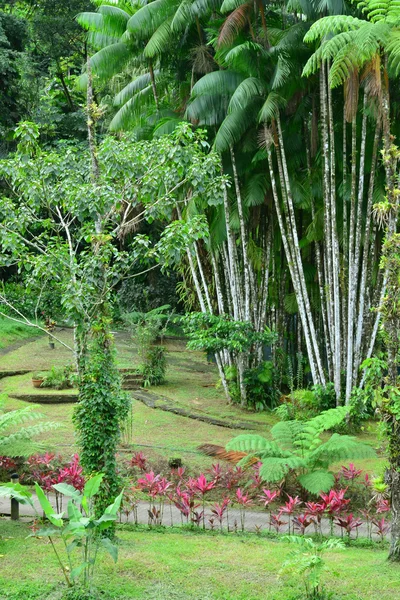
column 297, row 446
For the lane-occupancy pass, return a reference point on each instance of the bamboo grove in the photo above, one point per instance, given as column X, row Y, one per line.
column 300, row 100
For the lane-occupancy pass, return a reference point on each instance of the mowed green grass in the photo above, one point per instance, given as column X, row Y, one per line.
column 183, row 565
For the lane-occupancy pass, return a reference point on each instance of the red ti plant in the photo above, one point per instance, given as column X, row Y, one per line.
column 139, row 461
column 382, row 527
column 201, row 486
column 184, row 502
column 301, row 522
column 243, row 500
column 219, row 510
column 315, row 510
column 335, row 503
column 290, row 506
column 383, row 506
column 267, row 497
column 368, row 518
column 348, row 523
column 216, row 472
column 256, row 479
column 276, row 522
column 350, row 473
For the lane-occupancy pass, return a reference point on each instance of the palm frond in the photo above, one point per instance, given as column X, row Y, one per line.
column 271, row 107
column 246, row 91
column 233, row 24
column 109, row 61
column 130, row 111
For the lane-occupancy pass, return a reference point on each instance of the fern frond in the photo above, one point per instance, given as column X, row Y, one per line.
column 248, row 443
column 332, row 25
column 317, row 481
column 286, row 432
column 338, row 448
column 275, row 468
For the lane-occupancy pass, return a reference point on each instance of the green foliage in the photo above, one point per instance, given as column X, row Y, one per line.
column 15, row 436
column 307, row 563
column 154, row 366
column 59, row 378
column 82, row 532
column 101, row 409
column 297, row 446
column 303, row 404
column 213, row 333
column 261, row 386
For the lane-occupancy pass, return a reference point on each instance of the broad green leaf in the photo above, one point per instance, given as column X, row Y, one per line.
column 45, row 532
column 78, row 570
column 47, row 507
column 113, row 508
column 111, row 548
column 93, row 485
column 74, row 514
column 68, row 490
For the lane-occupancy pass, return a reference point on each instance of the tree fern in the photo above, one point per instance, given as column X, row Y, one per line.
column 297, row 446
column 16, row 440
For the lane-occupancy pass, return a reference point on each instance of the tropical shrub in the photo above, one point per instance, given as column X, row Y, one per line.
column 297, row 446
column 306, row 561
column 82, row 532
column 154, row 366
column 59, row 378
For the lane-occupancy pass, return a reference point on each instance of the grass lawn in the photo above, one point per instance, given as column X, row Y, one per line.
column 186, row 565
column 12, row 332
column 191, row 383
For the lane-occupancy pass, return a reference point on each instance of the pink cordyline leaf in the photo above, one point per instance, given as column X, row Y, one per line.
column 201, row 484
column 243, row 499
column 348, row 522
column 290, row 505
column 267, row 496
column 383, row 506
column 350, row 473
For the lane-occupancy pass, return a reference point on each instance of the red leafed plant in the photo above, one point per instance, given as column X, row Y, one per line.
column 350, row 473
column 243, row 500
column 201, row 486
column 349, row 523
column 290, row 506
column 382, row 527
column 219, row 510
column 139, row 461
column 301, row 522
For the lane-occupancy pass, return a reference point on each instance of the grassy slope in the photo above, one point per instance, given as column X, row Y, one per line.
column 12, row 332
column 190, row 383
column 190, row 566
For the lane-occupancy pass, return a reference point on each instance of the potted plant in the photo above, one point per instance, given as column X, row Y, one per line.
column 37, row 379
